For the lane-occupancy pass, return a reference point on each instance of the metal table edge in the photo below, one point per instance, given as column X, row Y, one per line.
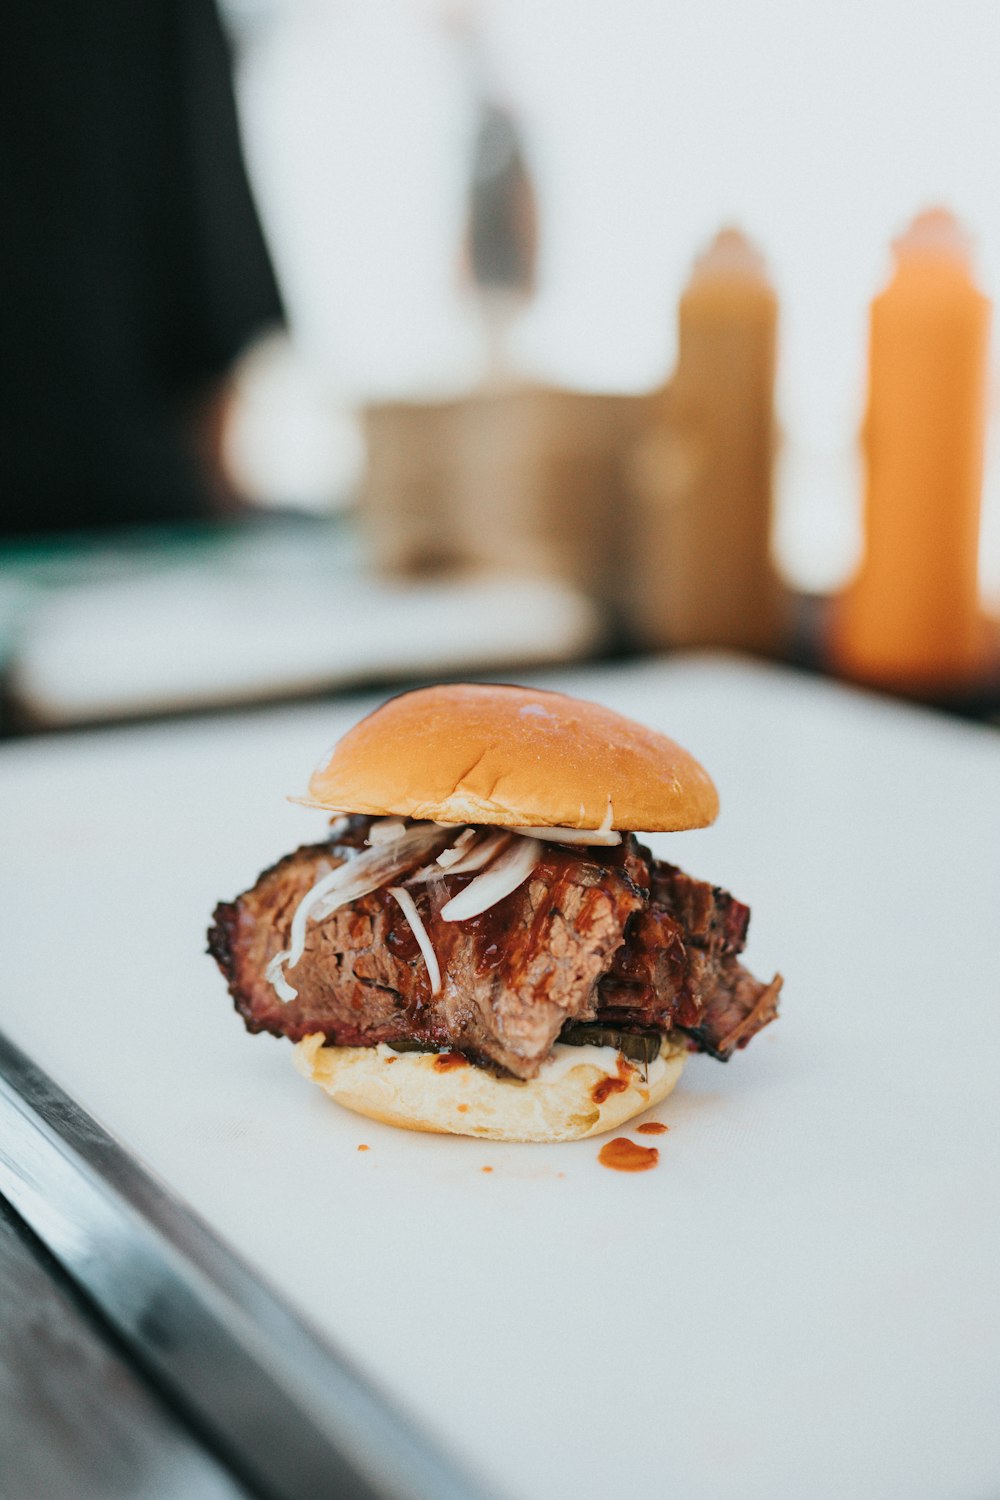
column 285, row 1409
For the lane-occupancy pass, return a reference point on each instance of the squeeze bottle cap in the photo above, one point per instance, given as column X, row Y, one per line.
column 936, row 234
column 731, row 256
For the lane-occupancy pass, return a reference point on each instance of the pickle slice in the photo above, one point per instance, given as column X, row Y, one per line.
column 637, row 1046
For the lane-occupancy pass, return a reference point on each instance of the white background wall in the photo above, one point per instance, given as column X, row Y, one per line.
column 820, row 129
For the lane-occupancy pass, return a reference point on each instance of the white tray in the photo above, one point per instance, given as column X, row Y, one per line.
column 197, row 638
column 801, row 1299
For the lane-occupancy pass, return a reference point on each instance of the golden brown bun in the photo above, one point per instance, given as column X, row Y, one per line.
column 407, row 1089
column 514, row 756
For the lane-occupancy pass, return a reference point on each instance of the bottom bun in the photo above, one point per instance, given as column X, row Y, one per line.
column 582, row 1091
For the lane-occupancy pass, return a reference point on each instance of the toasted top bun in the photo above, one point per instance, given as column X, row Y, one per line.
column 423, row 1091
column 516, row 757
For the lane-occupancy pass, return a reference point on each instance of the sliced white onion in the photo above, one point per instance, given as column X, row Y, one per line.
column 480, row 854
column 275, row 975
column 605, row 834
column 338, row 826
column 571, row 835
column 509, row 870
column 369, row 869
column 358, row 876
column 476, row 857
column 448, row 856
column 408, row 907
column 385, row 831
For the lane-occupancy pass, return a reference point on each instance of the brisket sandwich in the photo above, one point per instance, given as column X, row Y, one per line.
column 481, row 945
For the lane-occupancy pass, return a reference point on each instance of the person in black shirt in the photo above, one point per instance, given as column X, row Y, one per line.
column 133, row 269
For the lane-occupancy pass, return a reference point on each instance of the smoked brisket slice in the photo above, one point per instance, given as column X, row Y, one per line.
column 678, row 969
column 603, row 935
column 510, row 977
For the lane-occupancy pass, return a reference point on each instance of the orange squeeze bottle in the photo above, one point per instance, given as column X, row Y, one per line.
column 911, row 619
column 703, row 573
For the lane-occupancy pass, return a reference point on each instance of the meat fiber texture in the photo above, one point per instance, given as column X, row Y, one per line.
column 594, row 935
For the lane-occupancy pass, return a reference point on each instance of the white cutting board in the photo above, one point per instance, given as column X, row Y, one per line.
column 802, row 1299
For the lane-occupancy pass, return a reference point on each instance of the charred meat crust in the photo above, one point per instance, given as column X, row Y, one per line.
column 606, row 936
column 678, row 967
column 512, row 975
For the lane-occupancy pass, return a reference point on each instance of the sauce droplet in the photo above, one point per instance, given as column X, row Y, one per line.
column 362, row 1148
column 652, row 1127
column 607, row 1086
column 617, row 1085
column 446, row 1060
column 486, row 1169
column 623, row 1155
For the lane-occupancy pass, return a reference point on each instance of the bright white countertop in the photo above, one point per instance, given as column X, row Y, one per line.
column 803, row 1299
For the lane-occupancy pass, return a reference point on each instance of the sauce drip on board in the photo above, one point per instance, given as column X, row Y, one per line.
column 623, row 1155
column 652, row 1127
